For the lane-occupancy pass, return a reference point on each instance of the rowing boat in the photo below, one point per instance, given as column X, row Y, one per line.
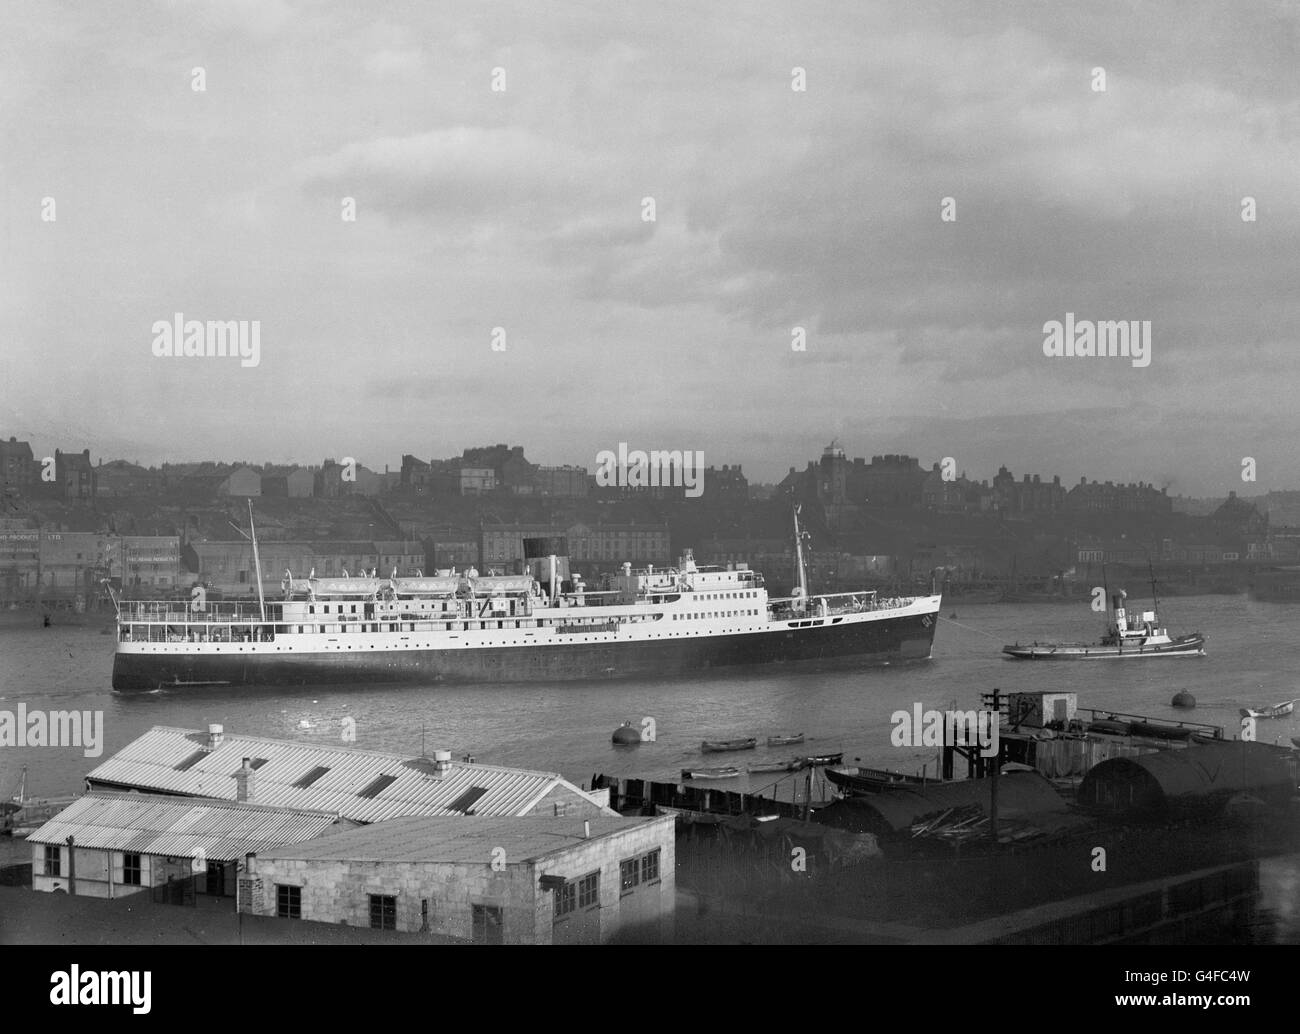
column 728, row 772
column 1276, row 711
column 824, row 759
column 793, row 765
column 718, row 746
column 869, row 780
column 785, row 741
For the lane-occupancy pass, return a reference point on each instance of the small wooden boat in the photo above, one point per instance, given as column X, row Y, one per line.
column 718, row 746
column 824, row 759
column 1276, row 711
column 728, row 772
column 858, row 781
column 785, row 741
column 793, row 765
column 22, row 815
column 1158, row 731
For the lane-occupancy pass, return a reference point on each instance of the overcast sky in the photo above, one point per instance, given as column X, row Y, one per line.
column 774, row 208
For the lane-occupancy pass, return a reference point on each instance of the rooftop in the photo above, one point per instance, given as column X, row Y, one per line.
column 158, row 825
column 456, row 840
column 364, row 785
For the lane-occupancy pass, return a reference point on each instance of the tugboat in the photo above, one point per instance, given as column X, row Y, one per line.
column 1143, row 638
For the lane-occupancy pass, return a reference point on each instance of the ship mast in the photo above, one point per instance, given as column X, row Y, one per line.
column 798, row 552
column 1105, row 589
column 257, row 561
column 1155, row 603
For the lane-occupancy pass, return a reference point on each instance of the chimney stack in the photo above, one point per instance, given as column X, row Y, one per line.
column 441, row 761
column 244, row 782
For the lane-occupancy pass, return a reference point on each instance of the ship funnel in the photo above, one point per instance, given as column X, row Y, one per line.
column 216, row 734
column 441, row 761
column 547, row 560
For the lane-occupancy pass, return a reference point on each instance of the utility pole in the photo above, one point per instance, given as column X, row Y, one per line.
column 997, row 764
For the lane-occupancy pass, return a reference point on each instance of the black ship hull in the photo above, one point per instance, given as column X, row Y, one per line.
column 867, row 642
column 1184, row 646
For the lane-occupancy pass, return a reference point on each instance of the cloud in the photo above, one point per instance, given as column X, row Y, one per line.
column 257, row 19
column 460, row 172
column 774, row 209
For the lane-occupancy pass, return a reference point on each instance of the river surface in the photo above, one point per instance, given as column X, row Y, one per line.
column 1253, row 659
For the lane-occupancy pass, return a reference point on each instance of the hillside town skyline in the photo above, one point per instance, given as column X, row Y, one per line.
column 25, row 453
column 72, row 521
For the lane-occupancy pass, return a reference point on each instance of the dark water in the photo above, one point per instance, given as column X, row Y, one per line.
column 1253, row 659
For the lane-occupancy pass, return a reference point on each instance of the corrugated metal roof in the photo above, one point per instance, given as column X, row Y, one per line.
column 899, row 808
column 150, row 824
column 149, row 763
column 438, row 839
column 1181, row 776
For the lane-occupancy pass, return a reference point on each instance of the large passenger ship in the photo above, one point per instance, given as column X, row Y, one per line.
column 536, row 626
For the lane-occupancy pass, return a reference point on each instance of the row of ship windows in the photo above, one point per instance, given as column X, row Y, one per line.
column 518, row 642
column 325, row 608
column 458, row 626
column 473, row 626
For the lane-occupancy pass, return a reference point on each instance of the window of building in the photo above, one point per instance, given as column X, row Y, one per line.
column 466, row 800
column 629, row 873
column 487, row 924
column 383, row 912
column 566, row 900
column 288, row 902
column 52, row 859
column 191, row 761
column 377, row 786
column 589, row 891
column 650, row 866
column 311, row 777
column 131, row 869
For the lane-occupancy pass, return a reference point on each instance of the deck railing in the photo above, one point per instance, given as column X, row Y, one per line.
column 838, row 603
column 175, row 612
